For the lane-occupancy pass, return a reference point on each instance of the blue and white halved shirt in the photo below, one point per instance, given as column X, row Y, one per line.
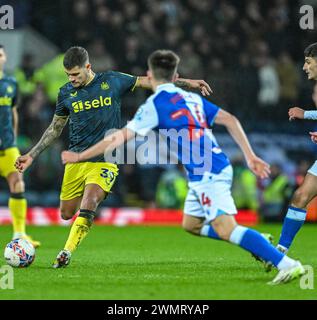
column 183, row 118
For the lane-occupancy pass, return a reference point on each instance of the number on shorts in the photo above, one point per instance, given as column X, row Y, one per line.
column 205, row 200
column 107, row 174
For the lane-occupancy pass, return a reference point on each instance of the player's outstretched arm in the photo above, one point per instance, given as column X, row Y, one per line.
column 203, row 86
column 233, row 125
column 298, row 113
column 52, row 132
column 107, row 145
column 191, row 84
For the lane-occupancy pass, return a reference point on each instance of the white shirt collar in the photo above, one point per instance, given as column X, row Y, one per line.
column 165, row 86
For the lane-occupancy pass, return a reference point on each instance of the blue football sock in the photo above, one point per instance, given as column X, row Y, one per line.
column 208, row 231
column 293, row 221
column 255, row 243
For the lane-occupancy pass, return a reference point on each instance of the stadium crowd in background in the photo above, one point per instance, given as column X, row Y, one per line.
column 250, row 52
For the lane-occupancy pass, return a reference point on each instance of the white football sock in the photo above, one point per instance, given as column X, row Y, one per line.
column 286, row 263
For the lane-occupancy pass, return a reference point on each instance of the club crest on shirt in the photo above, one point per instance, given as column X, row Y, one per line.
column 104, row 86
column 139, row 115
column 9, row 89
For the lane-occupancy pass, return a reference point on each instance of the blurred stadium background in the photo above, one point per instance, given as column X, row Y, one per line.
column 250, row 52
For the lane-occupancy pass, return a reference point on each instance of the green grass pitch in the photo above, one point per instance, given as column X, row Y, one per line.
column 153, row 263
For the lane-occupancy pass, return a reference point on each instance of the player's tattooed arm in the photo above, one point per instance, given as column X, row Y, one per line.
column 203, row 86
column 51, row 133
column 191, row 84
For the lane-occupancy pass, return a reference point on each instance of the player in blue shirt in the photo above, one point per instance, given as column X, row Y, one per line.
column 9, row 151
column 209, row 208
column 92, row 104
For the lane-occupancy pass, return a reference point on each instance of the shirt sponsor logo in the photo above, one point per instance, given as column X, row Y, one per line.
column 93, row 104
column 5, row 101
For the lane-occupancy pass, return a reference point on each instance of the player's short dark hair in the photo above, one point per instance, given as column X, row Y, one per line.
column 163, row 64
column 1, row 46
column 75, row 56
column 311, row 50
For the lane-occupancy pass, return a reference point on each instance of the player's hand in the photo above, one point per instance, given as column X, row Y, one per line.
column 295, row 113
column 313, row 136
column 70, row 157
column 202, row 85
column 23, row 162
column 259, row 167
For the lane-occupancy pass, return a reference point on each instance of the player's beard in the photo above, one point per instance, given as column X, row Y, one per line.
column 81, row 83
column 86, row 79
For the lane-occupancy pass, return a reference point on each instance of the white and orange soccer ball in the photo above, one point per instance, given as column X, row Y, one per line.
column 19, row 253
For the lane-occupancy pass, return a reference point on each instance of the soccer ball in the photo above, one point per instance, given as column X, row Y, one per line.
column 19, row 253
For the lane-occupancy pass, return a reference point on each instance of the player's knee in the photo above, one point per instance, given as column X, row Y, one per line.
column 66, row 214
column 224, row 234
column 191, row 228
column 18, row 187
column 223, row 231
column 300, row 198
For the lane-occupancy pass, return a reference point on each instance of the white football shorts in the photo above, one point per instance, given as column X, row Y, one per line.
column 211, row 196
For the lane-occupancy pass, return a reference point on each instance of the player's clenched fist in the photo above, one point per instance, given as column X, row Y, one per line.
column 70, row 157
column 296, row 113
column 23, row 162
